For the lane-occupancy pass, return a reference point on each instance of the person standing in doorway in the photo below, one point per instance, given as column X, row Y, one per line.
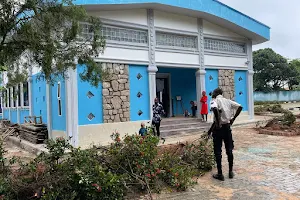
column 223, row 119
column 204, row 107
column 158, row 111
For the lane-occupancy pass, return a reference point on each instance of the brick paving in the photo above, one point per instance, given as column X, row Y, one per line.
column 266, row 167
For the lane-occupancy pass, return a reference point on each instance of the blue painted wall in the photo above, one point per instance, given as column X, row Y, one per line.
column 241, row 92
column 183, row 83
column 212, row 7
column 139, row 85
column 58, row 121
column 13, row 114
column 6, row 114
column 211, row 82
column 88, row 105
column 277, row 96
column 39, row 97
column 23, row 113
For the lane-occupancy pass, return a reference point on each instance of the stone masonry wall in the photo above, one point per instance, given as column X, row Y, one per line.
column 115, row 91
column 226, row 83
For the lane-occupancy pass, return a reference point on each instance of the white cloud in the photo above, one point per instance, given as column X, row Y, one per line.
column 282, row 16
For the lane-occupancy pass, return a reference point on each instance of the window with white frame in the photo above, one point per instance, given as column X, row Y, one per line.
column 25, row 94
column 177, row 41
column 4, row 98
column 19, row 95
column 59, row 99
column 117, row 34
column 9, row 98
column 224, row 46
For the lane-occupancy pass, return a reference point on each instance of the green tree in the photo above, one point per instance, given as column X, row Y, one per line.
column 48, row 35
column 272, row 70
column 295, row 71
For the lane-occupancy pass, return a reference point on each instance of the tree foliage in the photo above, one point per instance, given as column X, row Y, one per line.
column 272, row 71
column 47, row 35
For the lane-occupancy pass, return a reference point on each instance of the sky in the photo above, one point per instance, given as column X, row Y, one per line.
column 282, row 16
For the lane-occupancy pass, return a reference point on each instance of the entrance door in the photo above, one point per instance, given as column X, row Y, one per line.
column 163, row 91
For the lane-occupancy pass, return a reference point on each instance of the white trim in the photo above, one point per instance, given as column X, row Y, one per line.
column 17, row 103
column 225, row 67
column 200, row 86
column 224, row 54
column 123, row 45
column 121, row 61
column 177, row 65
column 177, row 50
column 112, row 22
column 170, row 30
column 22, row 95
column 167, row 76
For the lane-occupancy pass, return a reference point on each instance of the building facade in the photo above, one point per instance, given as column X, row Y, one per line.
column 172, row 50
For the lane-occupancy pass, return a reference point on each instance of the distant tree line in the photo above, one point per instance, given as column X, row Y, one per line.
column 273, row 72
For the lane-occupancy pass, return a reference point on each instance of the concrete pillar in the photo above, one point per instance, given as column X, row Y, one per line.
column 72, row 107
column 250, row 80
column 200, row 86
column 250, row 94
column 49, row 110
column 152, row 86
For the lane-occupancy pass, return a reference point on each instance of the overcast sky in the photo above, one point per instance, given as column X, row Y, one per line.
column 282, row 16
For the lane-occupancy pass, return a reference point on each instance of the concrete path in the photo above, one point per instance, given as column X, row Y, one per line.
column 266, row 167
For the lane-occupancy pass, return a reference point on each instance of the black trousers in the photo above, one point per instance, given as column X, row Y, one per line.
column 220, row 135
column 157, row 126
column 193, row 111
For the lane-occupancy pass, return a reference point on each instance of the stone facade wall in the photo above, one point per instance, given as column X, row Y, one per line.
column 115, row 91
column 226, row 83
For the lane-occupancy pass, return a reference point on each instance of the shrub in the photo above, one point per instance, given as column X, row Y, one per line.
column 176, row 172
column 200, row 154
column 288, row 118
column 68, row 173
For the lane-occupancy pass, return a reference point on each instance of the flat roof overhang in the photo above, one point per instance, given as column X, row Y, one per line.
column 210, row 10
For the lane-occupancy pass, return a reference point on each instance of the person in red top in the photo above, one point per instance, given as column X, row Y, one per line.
column 204, row 107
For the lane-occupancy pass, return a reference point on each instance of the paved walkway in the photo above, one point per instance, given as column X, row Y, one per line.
column 266, row 167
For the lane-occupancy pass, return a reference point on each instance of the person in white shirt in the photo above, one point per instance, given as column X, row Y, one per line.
column 221, row 129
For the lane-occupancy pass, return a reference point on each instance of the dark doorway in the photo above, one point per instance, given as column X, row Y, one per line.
column 163, row 92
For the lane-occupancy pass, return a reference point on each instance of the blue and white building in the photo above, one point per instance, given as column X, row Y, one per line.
column 171, row 49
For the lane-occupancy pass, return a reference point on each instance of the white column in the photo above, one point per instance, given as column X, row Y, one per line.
column 72, row 106
column 250, row 94
column 250, row 80
column 152, row 68
column 152, row 86
column 49, row 111
column 200, row 86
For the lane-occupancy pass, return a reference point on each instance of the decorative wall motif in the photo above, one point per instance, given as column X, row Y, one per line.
column 151, row 34
column 172, row 40
column 115, row 91
column 226, row 83
column 201, row 43
column 224, row 46
column 116, row 33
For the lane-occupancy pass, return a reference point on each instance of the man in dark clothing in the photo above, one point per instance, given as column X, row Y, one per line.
column 158, row 110
column 221, row 129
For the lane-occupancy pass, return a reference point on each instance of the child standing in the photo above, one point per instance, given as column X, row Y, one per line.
column 193, row 108
column 143, row 130
column 204, row 107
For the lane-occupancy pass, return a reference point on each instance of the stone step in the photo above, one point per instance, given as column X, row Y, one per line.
column 184, row 125
column 182, row 131
column 179, row 121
